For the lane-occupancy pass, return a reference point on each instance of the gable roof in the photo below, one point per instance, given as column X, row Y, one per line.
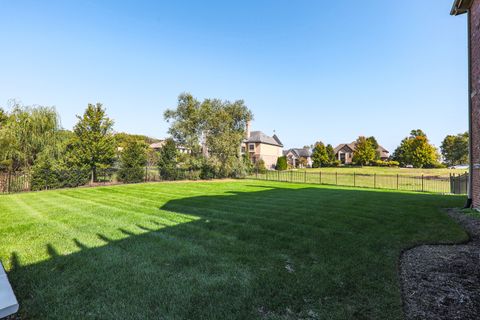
column 300, row 152
column 460, row 7
column 383, row 152
column 260, row 137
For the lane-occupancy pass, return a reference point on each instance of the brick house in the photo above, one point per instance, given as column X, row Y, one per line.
column 260, row 146
column 344, row 152
column 472, row 9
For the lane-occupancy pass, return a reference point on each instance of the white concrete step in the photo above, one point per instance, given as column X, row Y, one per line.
column 8, row 302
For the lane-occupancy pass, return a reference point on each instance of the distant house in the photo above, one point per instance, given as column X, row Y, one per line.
column 260, row 146
column 299, row 157
column 344, row 152
column 159, row 145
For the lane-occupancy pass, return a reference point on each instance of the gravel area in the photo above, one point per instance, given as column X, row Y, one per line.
column 443, row 281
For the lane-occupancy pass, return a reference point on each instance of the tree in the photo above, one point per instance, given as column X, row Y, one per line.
column 167, row 160
column 219, row 126
column 330, row 154
column 25, row 132
column 455, row 149
column 187, row 123
column 224, row 130
column 94, row 144
column 132, row 162
column 364, row 152
column 375, row 145
column 281, row 163
column 320, row 157
column 416, row 150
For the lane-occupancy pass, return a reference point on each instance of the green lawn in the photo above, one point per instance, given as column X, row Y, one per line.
column 390, row 171
column 215, row 250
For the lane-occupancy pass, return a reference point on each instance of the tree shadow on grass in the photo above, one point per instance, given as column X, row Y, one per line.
column 272, row 253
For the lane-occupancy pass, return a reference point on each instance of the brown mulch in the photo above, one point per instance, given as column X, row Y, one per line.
column 443, row 281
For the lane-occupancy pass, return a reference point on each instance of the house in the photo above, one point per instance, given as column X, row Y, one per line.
column 260, row 146
column 299, row 157
column 159, row 145
column 344, row 152
column 472, row 9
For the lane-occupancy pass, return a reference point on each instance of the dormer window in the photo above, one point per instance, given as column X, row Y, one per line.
column 251, row 147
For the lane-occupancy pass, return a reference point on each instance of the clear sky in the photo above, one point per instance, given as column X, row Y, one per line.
column 310, row 70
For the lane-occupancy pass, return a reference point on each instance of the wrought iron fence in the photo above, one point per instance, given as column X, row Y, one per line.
column 14, row 182
column 454, row 184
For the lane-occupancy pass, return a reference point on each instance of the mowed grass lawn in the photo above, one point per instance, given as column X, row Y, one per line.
column 443, row 172
column 215, row 250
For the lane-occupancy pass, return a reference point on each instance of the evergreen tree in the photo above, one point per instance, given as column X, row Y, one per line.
column 330, row 154
column 167, row 160
column 281, row 163
column 132, row 161
column 320, row 157
column 94, row 145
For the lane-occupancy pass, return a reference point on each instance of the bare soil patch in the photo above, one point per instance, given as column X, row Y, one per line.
column 443, row 281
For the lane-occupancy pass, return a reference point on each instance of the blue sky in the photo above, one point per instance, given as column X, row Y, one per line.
column 310, row 70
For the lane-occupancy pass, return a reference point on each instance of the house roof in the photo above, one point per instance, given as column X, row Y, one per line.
column 460, row 7
column 157, row 145
column 383, row 152
column 260, row 137
column 300, row 152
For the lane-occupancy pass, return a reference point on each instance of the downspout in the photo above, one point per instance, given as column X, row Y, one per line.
column 468, row 203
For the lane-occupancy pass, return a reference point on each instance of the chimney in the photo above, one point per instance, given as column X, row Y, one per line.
column 247, row 130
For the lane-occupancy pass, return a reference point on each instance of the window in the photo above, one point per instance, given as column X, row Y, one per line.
column 243, row 149
column 251, row 147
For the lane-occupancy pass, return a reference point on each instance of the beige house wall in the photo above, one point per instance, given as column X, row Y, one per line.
column 268, row 153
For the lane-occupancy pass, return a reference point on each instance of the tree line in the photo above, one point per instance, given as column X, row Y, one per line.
column 32, row 139
column 414, row 150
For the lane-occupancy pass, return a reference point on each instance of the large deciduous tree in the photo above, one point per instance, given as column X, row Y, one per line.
column 94, row 145
column 217, row 126
column 187, row 122
column 455, row 149
column 25, row 132
column 417, row 151
column 365, row 151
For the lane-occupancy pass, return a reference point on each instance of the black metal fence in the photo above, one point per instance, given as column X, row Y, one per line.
column 13, row 182
column 452, row 184
column 21, row 181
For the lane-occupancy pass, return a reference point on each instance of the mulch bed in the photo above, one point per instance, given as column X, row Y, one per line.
column 443, row 281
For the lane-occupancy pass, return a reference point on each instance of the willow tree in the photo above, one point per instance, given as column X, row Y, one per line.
column 25, row 132
column 94, row 145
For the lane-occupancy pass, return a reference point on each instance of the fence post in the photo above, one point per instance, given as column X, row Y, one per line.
column 374, row 181
column 320, row 177
column 397, row 181
column 146, row 173
column 336, row 178
column 291, row 175
column 9, row 181
column 422, row 183
column 305, row 177
column 278, row 175
column 354, row 179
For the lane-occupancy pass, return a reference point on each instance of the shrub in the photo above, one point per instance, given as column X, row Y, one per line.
column 282, row 163
column 260, row 167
